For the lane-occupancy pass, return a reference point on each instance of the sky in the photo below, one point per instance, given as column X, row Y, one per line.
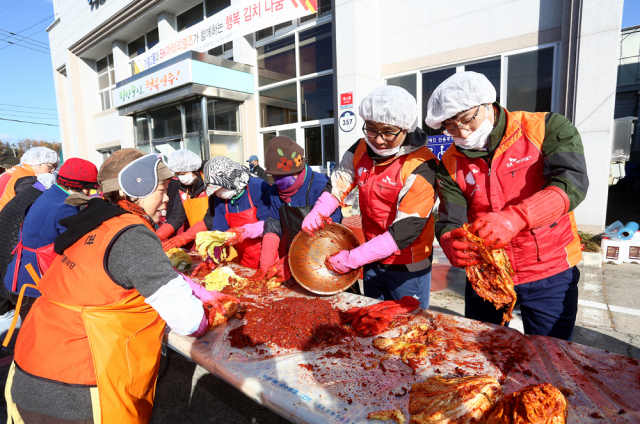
column 27, row 92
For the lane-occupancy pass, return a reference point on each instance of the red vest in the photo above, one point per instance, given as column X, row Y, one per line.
column 379, row 187
column 516, row 174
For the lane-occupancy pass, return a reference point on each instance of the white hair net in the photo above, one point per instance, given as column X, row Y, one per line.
column 390, row 105
column 459, row 92
column 184, row 160
column 39, row 155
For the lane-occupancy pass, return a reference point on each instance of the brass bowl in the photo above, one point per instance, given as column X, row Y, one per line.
column 307, row 257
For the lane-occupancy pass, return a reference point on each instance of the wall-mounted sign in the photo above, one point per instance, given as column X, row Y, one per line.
column 347, row 121
column 156, row 82
column 235, row 21
column 346, row 100
column 438, row 144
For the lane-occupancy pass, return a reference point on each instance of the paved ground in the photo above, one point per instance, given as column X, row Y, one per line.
column 608, row 319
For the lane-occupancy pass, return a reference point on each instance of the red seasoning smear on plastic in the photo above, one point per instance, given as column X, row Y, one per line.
column 291, row 323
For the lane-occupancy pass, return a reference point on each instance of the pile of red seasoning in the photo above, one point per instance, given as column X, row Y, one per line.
column 291, row 323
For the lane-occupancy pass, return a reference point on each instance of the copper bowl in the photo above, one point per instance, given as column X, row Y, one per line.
column 307, row 257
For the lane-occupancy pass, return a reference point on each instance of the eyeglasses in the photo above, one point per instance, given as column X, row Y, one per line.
column 463, row 125
column 52, row 167
column 386, row 136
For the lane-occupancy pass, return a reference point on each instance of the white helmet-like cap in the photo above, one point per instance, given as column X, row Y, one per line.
column 459, row 92
column 390, row 105
column 39, row 155
column 184, row 160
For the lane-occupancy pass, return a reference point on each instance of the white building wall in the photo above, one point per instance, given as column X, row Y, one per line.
column 600, row 25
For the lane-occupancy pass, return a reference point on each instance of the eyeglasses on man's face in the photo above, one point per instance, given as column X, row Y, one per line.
column 467, row 124
column 386, row 136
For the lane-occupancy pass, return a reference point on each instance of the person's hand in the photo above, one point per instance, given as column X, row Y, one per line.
column 177, row 241
column 213, row 299
column 207, row 265
column 338, row 263
column 498, row 228
column 237, row 238
column 457, row 248
column 320, row 214
column 318, row 222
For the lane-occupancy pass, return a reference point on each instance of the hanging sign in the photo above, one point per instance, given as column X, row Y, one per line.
column 164, row 79
column 347, row 121
column 237, row 20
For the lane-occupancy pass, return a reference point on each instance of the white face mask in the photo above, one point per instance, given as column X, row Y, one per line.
column 187, row 179
column 383, row 152
column 226, row 194
column 477, row 139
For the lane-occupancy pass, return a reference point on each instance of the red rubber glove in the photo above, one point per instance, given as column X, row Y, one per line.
column 208, row 265
column 269, row 252
column 165, row 231
column 543, row 208
column 458, row 250
column 184, row 238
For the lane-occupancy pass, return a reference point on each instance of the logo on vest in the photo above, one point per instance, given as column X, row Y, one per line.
column 387, row 180
column 361, row 171
column 513, row 161
column 68, row 262
column 90, row 239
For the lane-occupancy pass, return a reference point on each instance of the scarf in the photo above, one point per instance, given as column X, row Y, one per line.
column 138, row 211
column 286, row 195
column 223, row 172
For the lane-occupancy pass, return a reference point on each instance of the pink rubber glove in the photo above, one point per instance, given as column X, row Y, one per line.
column 324, row 207
column 247, row 231
column 375, row 249
column 207, row 297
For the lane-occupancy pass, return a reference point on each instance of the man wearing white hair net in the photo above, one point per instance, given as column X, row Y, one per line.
column 515, row 177
column 188, row 200
column 35, row 161
column 394, row 171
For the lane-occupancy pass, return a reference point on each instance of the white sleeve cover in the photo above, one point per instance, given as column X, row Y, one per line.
column 177, row 305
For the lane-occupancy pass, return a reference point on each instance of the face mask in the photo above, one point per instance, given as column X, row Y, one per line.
column 211, row 189
column 187, row 179
column 284, row 182
column 226, row 194
column 477, row 139
column 383, row 152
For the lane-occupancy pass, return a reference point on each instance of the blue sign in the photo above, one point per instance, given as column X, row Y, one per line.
column 438, row 144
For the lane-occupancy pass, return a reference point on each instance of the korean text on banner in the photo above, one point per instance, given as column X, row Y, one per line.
column 235, row 21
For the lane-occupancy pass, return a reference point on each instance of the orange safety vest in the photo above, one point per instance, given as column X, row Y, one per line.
column 8, row 182
column 517, row 173
column 87, row 330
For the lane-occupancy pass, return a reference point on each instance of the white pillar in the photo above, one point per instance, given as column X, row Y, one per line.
column 120, row 60
column 166, row 25
column 358, row 65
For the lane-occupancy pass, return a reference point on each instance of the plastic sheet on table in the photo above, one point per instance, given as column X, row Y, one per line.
column 343, row 383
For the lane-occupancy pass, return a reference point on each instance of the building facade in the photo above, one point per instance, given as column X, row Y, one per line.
column 304, row 77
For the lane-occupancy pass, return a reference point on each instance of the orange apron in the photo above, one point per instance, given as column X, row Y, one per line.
column 8, row 182
column 87, row 330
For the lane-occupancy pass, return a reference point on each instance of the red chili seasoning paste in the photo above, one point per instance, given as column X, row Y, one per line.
column 291, row 323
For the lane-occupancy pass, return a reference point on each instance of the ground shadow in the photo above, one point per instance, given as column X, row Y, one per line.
column 598, row 340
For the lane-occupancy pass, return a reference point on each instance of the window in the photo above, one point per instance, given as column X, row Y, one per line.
column 316, row 96
column 431, row 80
column 319, row 145
column 141, row 45
column 166, row 122
column 223, row 115
column 279, row 105
column 277, row 61
column 224, row 51
column 530, row 81
column 108, row 152
column 316, row 49
column 270, row 31
column 190, row 17
column 226, row 145
column 491, row 70
column 215, row 6
column 106, row 80
column 408, row 82
column 324, row 8
column 142, row 129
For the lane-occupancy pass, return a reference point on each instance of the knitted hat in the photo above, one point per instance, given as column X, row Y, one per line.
column 111, row 168
column 284, row 157
column 78, row 173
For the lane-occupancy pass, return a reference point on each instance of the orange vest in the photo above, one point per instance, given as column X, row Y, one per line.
column 195, row 207
column 516, row 174
column 8, row 182
column 87, row 330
